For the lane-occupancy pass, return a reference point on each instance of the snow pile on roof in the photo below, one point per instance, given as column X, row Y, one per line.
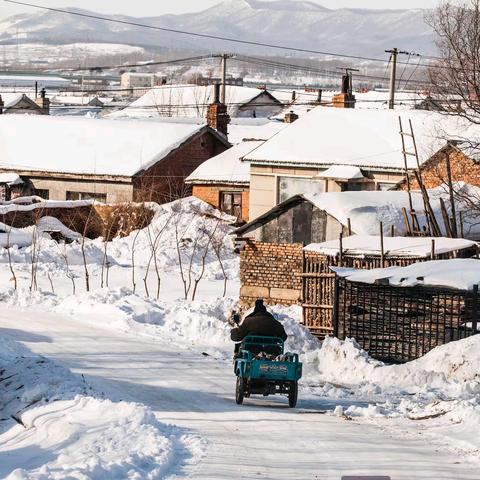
column 10, row 178
column 226, row 167
column 66, row 432
column 365, row 245
column 241, row 129
column 362, row 138
column 187, row 100
column 459, row 273
column 87, row 146
column 342, row 172
column 366, row 209
column 54, row 225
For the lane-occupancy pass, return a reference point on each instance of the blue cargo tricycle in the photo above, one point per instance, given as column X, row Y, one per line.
column 262, row 368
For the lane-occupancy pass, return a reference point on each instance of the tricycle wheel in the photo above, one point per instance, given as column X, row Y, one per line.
column 293, row 394
column 239, row 391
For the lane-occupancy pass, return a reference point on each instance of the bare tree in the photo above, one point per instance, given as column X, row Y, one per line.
column 9, row 245
column 456, row 74
column 206, row 250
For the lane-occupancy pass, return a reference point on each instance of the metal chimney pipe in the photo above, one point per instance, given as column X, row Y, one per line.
column 345, row 83
column 216, row 94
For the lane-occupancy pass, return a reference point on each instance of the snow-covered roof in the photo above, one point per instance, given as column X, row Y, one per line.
column 461, row 274
column 366, row 209
column 253, row 129
column 364, row 138
column 78, row 100
column 186, row 100
column 29, row 80
column 342, row 172
column 10, row 178
column 226, row 167
column 369, row 245
column 87, row 146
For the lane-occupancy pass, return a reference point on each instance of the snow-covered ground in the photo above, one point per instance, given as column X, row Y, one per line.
column 117, row 383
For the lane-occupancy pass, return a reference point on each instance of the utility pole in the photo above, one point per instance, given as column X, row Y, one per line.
column 393, row 77
column 224, row 78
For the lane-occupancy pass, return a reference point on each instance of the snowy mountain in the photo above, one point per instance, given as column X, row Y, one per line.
column 302, row 24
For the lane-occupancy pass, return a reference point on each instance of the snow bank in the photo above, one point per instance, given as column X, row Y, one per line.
column 198, row 324
column 440, row 391
column 452, row 369
column 52, row 427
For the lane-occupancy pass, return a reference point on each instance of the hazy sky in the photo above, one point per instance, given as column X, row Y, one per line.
column 158, row 7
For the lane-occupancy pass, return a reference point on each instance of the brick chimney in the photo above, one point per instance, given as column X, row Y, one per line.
column 346, row 98
column 1, row 105
column 217, row 116
column 43, row 102
column 290, row 117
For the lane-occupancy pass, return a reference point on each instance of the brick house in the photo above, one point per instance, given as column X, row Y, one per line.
column 461, row 158
column 337, row 149
column 224, row 180
column 66, row 158
column 271, row 246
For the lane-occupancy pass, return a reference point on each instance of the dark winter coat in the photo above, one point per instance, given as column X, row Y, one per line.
column 259, row 323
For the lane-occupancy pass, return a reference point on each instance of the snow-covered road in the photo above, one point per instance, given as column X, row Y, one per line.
column 262, row 439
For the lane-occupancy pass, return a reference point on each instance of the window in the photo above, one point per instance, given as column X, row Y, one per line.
column 99, row 197
column 290, row 186
column 385, row 186
column 231, row 203
column 43, row 193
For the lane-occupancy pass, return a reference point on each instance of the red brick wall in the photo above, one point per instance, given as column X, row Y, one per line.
column 271, row 271
column 164, row 182
column 434, row 172
column 211, row 195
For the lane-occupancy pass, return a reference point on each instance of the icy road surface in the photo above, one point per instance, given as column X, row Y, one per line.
column 260, row 440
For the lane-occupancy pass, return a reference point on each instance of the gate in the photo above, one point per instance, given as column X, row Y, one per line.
column 318, row 291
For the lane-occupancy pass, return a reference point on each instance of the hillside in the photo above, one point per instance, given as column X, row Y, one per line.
column 302, row 24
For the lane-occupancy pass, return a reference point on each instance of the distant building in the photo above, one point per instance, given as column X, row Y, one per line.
column 12, row 103
column 193, row 101
column 32, row 81
column 67, row 158
column 139, row 83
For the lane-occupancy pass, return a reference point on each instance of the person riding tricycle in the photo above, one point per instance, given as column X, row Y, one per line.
column 260, row 363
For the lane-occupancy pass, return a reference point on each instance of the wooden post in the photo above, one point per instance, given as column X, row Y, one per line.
column 452, row 198
column 349, row 223
column 392, row 231
column 474, row 309
column 462, row 233
column 382, row 251
column 446, row 221
column 433, row 249
column 407, row 223
column 340, row 258
column 336, row 307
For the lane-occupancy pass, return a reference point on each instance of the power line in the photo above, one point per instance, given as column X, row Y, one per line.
column 199, row 35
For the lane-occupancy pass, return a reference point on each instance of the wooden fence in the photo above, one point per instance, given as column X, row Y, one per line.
column 399, row 324
column 318, row 285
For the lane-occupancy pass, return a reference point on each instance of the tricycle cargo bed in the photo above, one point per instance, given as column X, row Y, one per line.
column 287, row 371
